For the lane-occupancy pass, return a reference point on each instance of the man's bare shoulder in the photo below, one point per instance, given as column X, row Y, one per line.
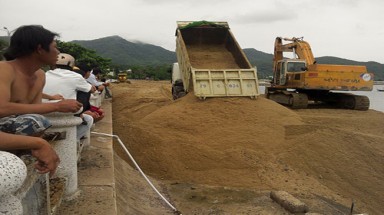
column 40, row 75
column 6, row 70
column 6, row 65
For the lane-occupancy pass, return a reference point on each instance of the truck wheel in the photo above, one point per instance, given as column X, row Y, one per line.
column 181, row 94
column 177, row 92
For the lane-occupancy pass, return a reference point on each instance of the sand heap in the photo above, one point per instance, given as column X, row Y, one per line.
column 256, row 144
column 214, row 141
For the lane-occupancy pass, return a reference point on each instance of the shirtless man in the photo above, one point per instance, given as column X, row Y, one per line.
column 21, row 84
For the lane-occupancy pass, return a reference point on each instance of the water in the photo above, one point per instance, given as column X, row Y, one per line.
column 376, row 97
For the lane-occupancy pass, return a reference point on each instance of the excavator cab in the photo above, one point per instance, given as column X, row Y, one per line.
column 295, row 66
column 287, row 68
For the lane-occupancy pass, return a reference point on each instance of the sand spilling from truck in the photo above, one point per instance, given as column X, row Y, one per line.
column 252, row 144
column 205, row 56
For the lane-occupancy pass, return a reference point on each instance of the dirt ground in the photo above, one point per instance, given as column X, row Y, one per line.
column 224, row 155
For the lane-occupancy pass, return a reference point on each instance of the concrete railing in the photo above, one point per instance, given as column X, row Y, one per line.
column 97, row 98
column 22, row 189
column 67, row 149
column 13, row 172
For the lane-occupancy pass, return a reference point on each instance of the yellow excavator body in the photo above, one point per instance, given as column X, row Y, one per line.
column 300, row 80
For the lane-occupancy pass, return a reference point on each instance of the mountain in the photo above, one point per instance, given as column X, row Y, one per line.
column 123, row 52
column 261, row 60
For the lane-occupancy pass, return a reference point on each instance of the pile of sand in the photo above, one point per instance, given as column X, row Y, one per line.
column 215, row 141
column 256, row 144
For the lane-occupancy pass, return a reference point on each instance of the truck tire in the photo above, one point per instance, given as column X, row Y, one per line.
column 181, row 94
column 178, row 92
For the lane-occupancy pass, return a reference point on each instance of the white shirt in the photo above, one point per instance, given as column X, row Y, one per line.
column 65, row 83
column 93, row 80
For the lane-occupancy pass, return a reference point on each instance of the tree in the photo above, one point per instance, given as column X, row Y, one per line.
column 154, row 72
column 84, row 55
column 3, row 47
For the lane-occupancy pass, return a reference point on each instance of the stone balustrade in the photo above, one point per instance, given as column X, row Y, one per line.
column 66, row 147
column 13, row 172
column 24, row 192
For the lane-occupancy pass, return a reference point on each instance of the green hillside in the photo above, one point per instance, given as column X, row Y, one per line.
column 123, row 52
column 261, row 60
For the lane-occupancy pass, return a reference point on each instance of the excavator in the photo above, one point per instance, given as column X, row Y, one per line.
column 299, row 81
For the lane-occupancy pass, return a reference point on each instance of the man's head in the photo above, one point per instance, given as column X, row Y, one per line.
column 65, row 61
column 87, row 69
column 29, row 39
column 79, row 71
column 96, row 71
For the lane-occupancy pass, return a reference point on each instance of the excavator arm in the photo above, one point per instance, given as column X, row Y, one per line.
column 297, row 45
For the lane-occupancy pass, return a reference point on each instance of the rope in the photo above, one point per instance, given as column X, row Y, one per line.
column 141, row 172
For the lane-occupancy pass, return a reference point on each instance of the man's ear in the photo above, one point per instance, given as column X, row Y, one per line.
column 39, row 49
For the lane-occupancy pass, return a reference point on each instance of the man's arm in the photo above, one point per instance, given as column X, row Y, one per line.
column 47, row 159
column 40, row 82
column 93, row 89
column 92, row 80
column 53, row 97
column 82, row 85
column 66, row 106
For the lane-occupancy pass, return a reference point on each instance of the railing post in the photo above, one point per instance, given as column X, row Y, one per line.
column 12, row 175
column 66, row 149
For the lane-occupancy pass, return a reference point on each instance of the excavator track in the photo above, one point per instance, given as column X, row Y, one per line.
column 291, row 99
column 354, row 102
column 298, row 101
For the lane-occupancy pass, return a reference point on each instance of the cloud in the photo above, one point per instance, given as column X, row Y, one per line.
column 254, row 22
column 184, row 2
column 264, row 17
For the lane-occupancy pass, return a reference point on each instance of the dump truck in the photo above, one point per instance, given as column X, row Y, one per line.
column 299, row 81
column 210, row 62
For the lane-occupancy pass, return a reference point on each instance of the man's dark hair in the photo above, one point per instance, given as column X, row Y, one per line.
column 79, row 71
column 25, row 40
column 84, row 66
column 96, row 71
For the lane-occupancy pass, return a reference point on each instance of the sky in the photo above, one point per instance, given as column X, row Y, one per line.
column 348, row 29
